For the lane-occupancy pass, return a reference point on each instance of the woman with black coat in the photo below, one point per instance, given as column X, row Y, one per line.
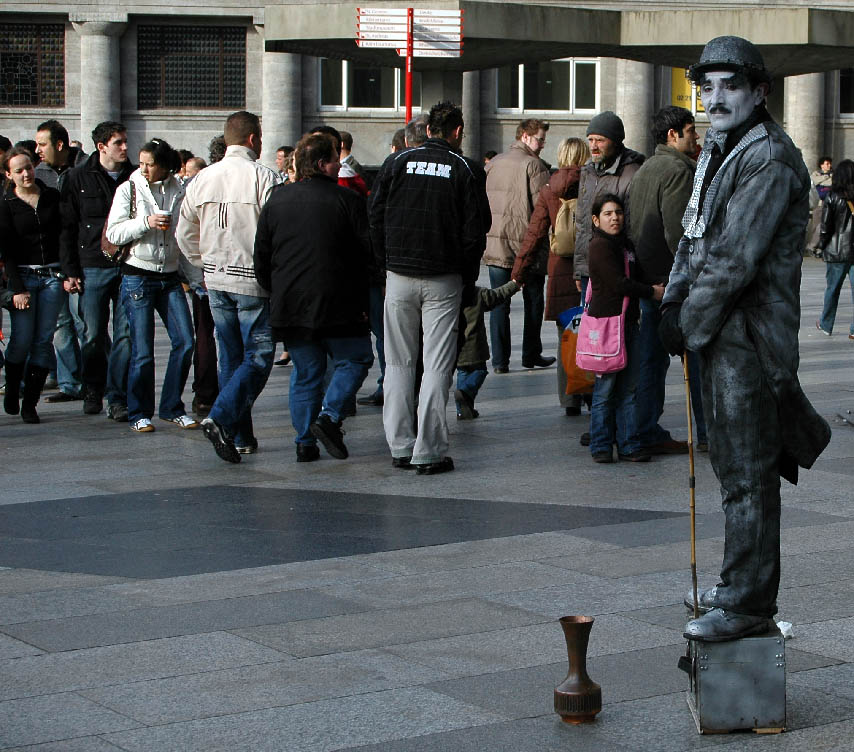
column 30, row 224
column 835, row 243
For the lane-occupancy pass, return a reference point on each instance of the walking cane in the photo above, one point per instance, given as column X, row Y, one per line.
column 691, row 483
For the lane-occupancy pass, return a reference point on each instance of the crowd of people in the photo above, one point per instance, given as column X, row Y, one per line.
column 235, row 257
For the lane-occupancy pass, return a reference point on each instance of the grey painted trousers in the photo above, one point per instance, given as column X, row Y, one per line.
column 744, row 447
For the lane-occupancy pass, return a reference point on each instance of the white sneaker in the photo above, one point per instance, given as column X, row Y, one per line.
column 183, row 421
column 143, row 425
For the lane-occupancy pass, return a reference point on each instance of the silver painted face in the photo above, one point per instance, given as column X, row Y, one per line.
column 728, row 99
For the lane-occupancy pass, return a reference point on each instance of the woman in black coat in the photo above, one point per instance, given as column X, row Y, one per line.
column 835, row 243
column 29, row 238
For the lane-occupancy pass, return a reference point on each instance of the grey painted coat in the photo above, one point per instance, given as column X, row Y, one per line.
column 743, row 252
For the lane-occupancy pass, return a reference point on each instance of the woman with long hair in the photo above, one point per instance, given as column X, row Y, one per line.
column 30, row 225
column 835, row 243
column 561, row 292
column 143, row 216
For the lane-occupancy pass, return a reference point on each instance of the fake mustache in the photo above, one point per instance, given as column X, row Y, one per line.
column 719, row 109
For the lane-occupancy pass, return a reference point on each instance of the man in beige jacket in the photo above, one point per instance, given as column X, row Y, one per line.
column 513, row 181
column 216, row 231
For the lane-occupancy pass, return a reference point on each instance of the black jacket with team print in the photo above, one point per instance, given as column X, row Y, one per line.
column 429, row 213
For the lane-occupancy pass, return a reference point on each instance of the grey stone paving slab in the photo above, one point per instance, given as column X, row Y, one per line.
column 819, row 602
column 599, row 595
column 314, row 727
column 832, row 737
column 244, row 582
column 545, row 734
column 814, row 538
column 183, row 619
column 81, row 744
column 54, row 718
column 12, row 648
column 60, row 604
column 373, row 629
column 814, row 568
column 528, row 692
column 625, row 562
column 437, row 586
column 522, row 647
column 120, row 664
column 834, row 638
column 14, row 581
column 481, row 553
column 836, row 679
column 238, row 690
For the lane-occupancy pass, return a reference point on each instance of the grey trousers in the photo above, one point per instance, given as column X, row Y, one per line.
column 744, row 448
column 412, row 304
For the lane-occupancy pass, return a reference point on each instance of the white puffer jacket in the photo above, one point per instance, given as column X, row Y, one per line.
column 153, row 250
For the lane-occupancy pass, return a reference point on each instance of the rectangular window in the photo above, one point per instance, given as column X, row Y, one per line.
column 846, row 91
column 566, row 85
column 190, row 67
column 32, row 65
column 345, row 84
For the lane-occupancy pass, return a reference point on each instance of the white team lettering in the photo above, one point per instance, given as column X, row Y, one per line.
column 428, row 168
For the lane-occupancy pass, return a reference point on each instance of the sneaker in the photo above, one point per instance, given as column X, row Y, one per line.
column 330, row 435
column 307, row 453
column 183, row 421
column 143, row 425
column 62, row 397
column 249, row 448
column 93, row 403
column 465, row 405
column 222, row 443
column 118, row 413
column 445, row 465
column 818, row 326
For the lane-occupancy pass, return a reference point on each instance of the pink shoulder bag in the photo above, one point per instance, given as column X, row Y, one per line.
column 601, row 346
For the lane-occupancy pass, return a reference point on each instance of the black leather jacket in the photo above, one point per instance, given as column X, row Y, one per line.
column 837, row 226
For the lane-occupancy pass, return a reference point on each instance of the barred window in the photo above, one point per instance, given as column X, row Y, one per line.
column 846, row 91
column 191, row 66
column 32, row 65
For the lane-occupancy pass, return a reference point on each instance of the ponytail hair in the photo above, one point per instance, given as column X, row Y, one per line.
column 164, row 155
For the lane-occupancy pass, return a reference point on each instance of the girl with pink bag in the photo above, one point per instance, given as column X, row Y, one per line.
column 615, row 293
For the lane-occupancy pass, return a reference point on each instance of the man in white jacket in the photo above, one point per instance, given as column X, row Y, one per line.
column 216, row 231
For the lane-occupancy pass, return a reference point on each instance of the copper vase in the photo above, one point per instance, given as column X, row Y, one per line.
column 578, row 698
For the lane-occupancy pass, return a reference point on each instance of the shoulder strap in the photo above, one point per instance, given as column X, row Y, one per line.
column 132, row 212
column 850, row 206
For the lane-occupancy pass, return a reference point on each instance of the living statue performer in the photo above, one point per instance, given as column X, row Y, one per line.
column 733, row 297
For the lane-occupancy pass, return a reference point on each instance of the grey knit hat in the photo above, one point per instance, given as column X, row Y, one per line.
column 609, row 125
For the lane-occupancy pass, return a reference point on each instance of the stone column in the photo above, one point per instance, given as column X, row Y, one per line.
column 100, row 74
column 804, row 114
column 281, row 103
column 471, row 114
column 635, row 86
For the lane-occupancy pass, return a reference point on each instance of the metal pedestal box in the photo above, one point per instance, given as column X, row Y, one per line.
column 739, row 685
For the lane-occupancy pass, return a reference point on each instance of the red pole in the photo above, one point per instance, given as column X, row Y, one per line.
column 409, row 18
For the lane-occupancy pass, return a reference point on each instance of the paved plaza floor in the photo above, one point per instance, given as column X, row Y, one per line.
column 153, row 597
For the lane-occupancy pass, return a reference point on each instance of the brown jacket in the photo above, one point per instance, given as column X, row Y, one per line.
column 513, row 180
column 561, row 292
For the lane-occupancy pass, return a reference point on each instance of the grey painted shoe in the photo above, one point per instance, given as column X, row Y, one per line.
column 705, row 599
column 720, row 626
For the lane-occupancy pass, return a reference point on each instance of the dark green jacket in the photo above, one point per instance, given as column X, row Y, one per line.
column 660, row 192
column 475, row 349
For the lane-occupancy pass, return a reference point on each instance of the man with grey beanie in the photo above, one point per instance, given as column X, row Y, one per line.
column 610, row 170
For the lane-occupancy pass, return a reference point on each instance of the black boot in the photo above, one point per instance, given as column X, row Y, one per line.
column 14, row 372
column 33, row 385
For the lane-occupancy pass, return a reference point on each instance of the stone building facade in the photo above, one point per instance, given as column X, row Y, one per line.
column 175, row 71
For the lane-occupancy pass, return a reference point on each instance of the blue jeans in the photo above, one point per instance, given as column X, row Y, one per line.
column 66, row 345
column 653, row 362
column 33, row 328
column 499, row 319
column 612, row 415
column 836, row 274
column 351, row 358
column 470, row 380
column 375, row 316
column 105, row 363
column 242, row 325
column 141, row 297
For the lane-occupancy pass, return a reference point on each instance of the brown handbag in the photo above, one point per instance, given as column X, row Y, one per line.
column 119, row 253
